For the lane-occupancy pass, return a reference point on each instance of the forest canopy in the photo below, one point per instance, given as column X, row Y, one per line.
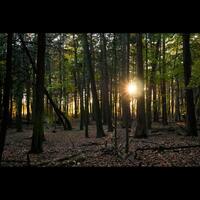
column 108, row 81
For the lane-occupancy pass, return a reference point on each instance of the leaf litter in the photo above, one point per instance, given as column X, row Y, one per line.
column 164, row 147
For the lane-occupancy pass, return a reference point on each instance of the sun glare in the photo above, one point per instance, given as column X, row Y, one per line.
column 132, row 88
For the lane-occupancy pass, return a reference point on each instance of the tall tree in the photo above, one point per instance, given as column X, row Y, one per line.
column 141, row 130
column 98, row 117
column 148, row 87
column 105, row 82
column 154, row 87
column 78, row 83
column 66, row 123
column 163, row 86
column 125, row 80
column 6, row 94
column 190, row 109
column 115, row 89
column 38, row 129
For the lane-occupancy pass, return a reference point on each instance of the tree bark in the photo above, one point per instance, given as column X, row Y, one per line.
column 98, row 117
column 6, row 94
column 177, row 103
column 66, row 123
column 141, row 130
column 28, row 101
column 105, row 79
column 148, row 89
column 190, row 109
column 78, row 82
column 125, row 80
column 38, row 127
column 115, row 91
column 163, row 92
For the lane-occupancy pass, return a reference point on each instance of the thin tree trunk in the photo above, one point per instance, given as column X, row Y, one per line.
column 1, row 88
column 115, row 91
column 19, row 111
column 152, row 86
column 172, row 100
column 148, row 89
column 164, row 105
column 66, row 123
column 177, row 104
column 98, row 117
column 28, row 102
column 86, row 112
column 10, row 109
column 78, row 82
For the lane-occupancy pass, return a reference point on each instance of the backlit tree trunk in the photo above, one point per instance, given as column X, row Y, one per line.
column 98, row 117
column 141, row 130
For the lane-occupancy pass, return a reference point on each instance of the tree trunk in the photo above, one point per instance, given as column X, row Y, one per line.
column 78, row 82
column 66, row 123
column 163, row 92
column 98, row 117
column 28, row 101
column 38, row 128
column 75, row 74
column 19, row 111
column 141, row 130
column 177, row 104
column 105, row 82
column 86, row 112
column 172, row 100
column 152, row 84
column 10, row 109
column 148, row 89
column 190, row 109
column 125, row 80
column 1, row 88
column 115, row 91
column 6, row 94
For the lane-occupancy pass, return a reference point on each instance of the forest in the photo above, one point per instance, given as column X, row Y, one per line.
column 99, row 99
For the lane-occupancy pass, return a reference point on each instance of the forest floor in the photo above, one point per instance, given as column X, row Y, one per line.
column 164, row 147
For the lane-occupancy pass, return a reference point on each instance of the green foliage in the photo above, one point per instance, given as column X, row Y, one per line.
column 195, row 79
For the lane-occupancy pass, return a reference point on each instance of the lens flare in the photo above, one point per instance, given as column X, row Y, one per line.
column 132, row 89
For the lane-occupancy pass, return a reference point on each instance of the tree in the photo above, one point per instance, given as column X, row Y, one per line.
column 105, row 82
column 78, row 82
column 38, row 129
column 141, row 130
column 6, row 94
column 64, row 120
column 98, row 117
column 190, row 109
column 163, row 87
column 148, row 87
column 115, row 89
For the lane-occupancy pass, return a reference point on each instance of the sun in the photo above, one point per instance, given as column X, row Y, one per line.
column 132, row 88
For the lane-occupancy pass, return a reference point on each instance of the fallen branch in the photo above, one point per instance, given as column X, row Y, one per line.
column 58, row 160
column 16, row 161
column 162, row 148
column 90, row 144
